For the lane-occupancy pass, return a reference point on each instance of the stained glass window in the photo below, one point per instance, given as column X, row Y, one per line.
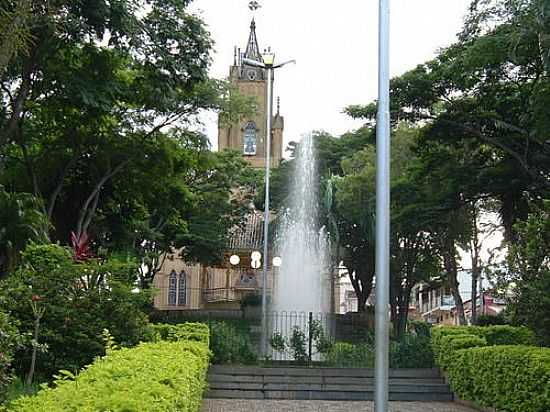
column 182, row 289
column 172, row 287
column 250, row 139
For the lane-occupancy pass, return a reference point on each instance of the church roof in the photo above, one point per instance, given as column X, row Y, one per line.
column 252, row 49
column 249, row 235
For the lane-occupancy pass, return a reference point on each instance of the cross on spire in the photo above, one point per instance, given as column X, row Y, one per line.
column 254, row 5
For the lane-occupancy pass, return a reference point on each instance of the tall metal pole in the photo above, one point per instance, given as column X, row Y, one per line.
column 269, row 70
column 382, row 214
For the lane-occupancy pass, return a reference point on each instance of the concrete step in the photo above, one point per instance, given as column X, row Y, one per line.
column 214, row 378
column 327, row 395
column 245, row 382
column 336, row 372
column 406, row 387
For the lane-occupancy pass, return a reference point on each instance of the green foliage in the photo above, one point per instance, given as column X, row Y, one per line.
column 493, row 335
column 296, row 345
column 198, row 332
column 420, row 328
column 344, row 354
column 507, row 378
column 230, row 344
column 79, row 301
column 528, row 274
column 100, row 107
column 16, row 389
column 251, row 299
column 491, row 320
column 10, row 341
column 484, row 367
column 158, row 376
column 21, row 220
column 411, row 351
column 449, row 344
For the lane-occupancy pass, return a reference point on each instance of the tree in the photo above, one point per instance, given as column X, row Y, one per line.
column 78, row 300
column 21, row 220
column 525, row 279
column 412, row 250
column 488, row 93
column 95, row 122
column 14, row 36
column 10, row 341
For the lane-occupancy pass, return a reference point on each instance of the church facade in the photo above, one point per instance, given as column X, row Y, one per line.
column 190, row 286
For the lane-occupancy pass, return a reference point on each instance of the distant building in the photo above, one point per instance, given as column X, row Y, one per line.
column 434, row 303
column 189, row 286
column 192, row 286
column 249, row 135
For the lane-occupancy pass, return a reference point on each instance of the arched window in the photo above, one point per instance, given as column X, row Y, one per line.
column 209, row 280
column 172, row 288
column 182, row 289
column 250, row 139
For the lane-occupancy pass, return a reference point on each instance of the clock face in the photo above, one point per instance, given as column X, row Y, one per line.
column 251, row 74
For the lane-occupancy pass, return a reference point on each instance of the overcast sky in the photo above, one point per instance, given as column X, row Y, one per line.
column 335, row 44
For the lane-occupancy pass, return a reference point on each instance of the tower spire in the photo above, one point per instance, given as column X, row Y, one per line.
column 252, row 49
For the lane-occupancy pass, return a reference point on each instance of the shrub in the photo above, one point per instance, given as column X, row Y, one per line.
column 198, row 332
column 343, row 354
column 80, row 300
column 296, row 345
column 494, row 335
column 251, row 299
column 157, row 376
column 230, row 344
column 451, row 343
column 10, row 340
column 491, row 320
column 420, row 328
column 528, row 269
column 411, row 351
column 507, row 378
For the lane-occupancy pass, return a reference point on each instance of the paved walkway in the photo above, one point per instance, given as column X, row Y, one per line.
column 237, row 405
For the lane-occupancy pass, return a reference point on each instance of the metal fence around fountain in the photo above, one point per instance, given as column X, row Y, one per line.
column 306, row 335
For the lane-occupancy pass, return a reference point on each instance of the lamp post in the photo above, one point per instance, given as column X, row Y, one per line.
column 382, row 261
column 268, row 65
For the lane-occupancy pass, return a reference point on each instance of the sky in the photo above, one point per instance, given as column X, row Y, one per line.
column 335, row 44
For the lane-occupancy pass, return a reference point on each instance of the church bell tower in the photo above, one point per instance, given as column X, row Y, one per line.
column 248, row 136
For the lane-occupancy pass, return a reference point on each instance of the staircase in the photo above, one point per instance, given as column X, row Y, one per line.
column 231, row 382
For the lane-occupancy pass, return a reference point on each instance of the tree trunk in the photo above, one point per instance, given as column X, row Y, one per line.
column 361, row 275
column 88, row 209
column 403, row 315
column 475, row 248
column 474, row 298
column 13, row 123
column 34, row 351
column 452, row 277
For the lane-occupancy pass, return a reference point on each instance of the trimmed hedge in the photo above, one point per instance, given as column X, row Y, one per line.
column 508, row 378
column 156, row 376
column 451, row 343
column 481, row 369
column 494, row 335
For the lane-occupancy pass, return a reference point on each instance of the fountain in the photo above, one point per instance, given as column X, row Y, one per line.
column 302, row 283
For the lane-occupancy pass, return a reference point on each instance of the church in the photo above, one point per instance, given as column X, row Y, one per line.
column 192, row 286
